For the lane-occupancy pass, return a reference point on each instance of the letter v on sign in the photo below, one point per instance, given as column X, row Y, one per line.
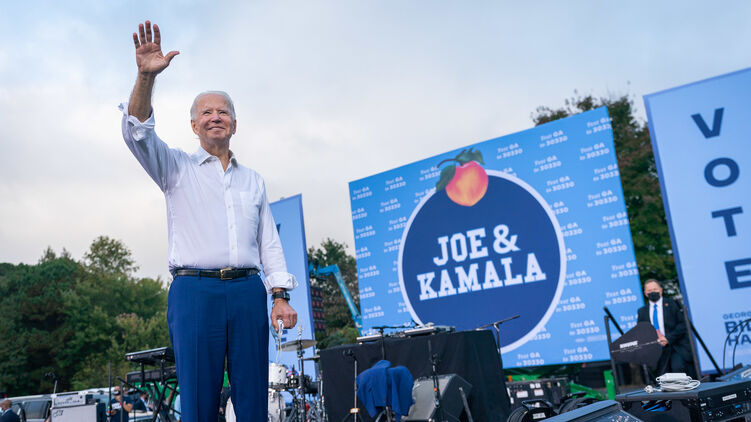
column 716, row 123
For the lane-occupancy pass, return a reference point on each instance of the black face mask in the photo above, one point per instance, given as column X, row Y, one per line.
column 653, row 296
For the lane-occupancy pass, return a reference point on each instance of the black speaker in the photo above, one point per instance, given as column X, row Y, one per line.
column 424, row 408
column 711, row 401
column 602, row 411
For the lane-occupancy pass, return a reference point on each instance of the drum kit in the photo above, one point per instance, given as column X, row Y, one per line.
column 298, row 385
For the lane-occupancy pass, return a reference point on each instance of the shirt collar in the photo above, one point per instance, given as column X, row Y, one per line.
column 658, row 303
column 201, row 156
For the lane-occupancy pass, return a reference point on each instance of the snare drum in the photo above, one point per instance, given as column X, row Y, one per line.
column 277, row 376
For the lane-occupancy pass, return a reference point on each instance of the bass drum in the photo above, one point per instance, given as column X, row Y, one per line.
column 276, row 406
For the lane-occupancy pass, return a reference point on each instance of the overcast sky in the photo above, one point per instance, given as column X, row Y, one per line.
column 326, row 92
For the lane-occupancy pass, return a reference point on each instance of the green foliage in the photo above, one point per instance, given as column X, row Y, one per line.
column 337, row 337
column 73, row 318
column 109, row 256
column 336, row 311
column 641, row 187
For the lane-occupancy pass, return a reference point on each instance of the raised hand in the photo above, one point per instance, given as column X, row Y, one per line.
column 149, row 57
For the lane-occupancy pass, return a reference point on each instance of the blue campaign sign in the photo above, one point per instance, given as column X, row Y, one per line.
column 289, row 223
column 516, row 256
column 530, row 224
column 701, row 142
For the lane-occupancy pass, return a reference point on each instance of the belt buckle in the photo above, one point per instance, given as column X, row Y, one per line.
column 223, row 273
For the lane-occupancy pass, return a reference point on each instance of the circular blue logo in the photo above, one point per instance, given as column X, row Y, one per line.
column 467, row 266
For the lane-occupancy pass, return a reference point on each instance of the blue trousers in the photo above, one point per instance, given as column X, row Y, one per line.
column 210, row 319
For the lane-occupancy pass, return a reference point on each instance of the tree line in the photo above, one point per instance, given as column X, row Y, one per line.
column 74, row 318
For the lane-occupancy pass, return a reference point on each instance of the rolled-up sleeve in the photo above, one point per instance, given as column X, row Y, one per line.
column 270, row 248
column 154, row 155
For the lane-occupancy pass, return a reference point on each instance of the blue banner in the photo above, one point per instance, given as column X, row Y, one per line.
column 530, row 224
column 289, row 223
column 700, row 138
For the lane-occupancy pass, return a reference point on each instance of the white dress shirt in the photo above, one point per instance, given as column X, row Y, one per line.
column 216, row 218
column 660, row 319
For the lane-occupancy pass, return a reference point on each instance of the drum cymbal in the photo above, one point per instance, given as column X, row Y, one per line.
column 297, row 345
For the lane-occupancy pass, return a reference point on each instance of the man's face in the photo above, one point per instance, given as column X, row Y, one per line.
column 652, row 287
column 213, row 122
column 116, row 391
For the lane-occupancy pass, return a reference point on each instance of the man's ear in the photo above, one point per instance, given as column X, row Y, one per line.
column 234, row 126
column 194, row 126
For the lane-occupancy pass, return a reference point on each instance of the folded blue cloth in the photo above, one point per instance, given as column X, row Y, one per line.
column 400, row 399
column 381, row 386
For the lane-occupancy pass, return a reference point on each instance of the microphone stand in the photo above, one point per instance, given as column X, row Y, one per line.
column 381, row 329
column 497, row 325
column 436, row 389
column 612, row 319
column 355, row 410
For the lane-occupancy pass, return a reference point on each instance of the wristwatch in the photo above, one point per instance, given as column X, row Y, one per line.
column 280, row 295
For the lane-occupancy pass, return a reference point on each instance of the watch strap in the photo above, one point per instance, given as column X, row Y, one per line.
column 280, row 295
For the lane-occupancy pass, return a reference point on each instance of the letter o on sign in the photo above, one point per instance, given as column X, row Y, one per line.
column 718, row 183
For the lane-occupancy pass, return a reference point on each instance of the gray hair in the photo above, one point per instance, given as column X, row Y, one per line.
column 652, row 280
column 221, row 93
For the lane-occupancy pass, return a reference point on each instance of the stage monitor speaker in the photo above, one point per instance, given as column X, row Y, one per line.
column 87, row 413
column 602, row 411
column 424, row 408
column 711, row 401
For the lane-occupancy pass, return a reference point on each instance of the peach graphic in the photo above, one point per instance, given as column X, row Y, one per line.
column 467, row 183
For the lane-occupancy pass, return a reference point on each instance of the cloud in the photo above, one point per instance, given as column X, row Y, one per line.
column 326, row 93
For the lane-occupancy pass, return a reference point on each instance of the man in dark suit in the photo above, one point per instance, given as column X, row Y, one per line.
column 8, row 415
column 667, row 317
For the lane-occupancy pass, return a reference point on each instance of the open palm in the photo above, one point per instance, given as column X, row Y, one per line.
column 149, row 57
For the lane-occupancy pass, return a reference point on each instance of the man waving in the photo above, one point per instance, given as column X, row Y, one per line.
column 221, row 235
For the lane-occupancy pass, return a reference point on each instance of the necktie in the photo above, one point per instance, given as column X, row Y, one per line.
column 655, row 317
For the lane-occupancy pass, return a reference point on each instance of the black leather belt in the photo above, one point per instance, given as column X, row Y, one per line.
column 228, row 273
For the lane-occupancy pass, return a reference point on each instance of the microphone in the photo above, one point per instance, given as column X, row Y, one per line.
column 349, row 353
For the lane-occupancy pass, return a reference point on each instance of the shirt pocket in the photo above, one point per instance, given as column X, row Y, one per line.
column 249, row 206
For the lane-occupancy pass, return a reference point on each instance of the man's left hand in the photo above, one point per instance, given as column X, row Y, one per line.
column 282, row 310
